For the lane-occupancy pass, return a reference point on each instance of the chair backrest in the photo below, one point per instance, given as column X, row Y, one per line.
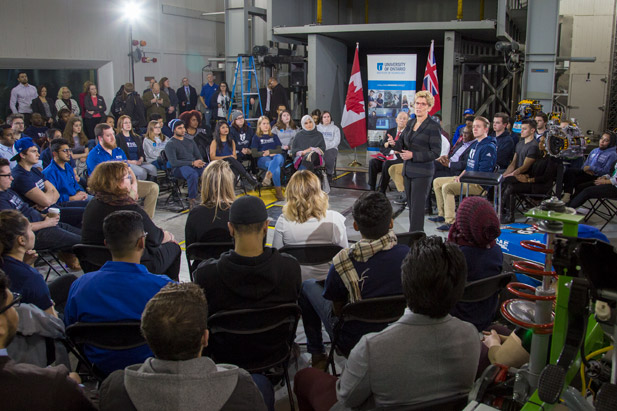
column 198, row 252
column 91, row 257
column 451, row 403
column 108, row 335
column 312, row 254
column 375, row 310
column 487, row 287
column 254, row 339
column 410, row 237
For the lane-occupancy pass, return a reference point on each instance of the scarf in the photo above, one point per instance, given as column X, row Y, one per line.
column 361, row 251
column 114, row 200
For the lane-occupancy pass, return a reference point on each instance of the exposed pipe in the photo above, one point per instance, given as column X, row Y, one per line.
column 319, row 11
column 577, row 59
column 481, row 9
column 459, row 11
column 365, row 11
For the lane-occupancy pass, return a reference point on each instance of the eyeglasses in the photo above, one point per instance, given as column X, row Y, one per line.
column 421, row 104
column 16, row 302
column 144, row 235
column 19, row 123
column 6, row 175
column 66, row 150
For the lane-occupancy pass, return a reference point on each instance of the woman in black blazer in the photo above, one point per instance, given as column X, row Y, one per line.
column 419, row 147
column 94, row 110
column 45, row 106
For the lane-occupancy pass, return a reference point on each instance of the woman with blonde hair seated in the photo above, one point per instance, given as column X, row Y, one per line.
column 306, row 220
column 208, row 221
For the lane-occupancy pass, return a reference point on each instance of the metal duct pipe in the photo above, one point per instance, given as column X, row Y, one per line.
column 319, row 10
column 459, row 11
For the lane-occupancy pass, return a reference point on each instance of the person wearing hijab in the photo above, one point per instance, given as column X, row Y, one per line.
column 308, row 146
column 600, row 162
column 475, row 230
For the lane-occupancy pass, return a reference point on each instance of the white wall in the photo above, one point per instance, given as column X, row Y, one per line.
column 74, row 31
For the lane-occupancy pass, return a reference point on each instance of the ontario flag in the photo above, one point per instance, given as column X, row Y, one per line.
column 431, row 82
column 354, row 118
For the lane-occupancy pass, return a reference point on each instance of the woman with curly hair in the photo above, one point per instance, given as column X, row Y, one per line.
column 192, row 120
column 78, row 143
column 307, row 220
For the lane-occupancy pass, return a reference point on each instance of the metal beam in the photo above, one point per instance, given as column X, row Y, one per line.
column 447, row 83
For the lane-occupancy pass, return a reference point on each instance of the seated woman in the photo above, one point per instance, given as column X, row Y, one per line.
column 78, row 142
column 307, row 220
column 207, row 223
column 539, row 180
column 154, row 144
column 266, row 149
column 201, row 136
column 242, row 134
column 332, row 138
column 285, row 129
column 603, row 187
column 308, row 147
column 115, row 188
column 132, row 145
column 18, row 255
column 223, row 147
column 475, row 230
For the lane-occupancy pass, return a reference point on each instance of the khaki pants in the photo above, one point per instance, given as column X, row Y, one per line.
column 149, row 191
column 396, row 174
column 445, row 191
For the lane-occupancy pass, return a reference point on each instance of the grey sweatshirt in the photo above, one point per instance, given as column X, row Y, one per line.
column 182, row 152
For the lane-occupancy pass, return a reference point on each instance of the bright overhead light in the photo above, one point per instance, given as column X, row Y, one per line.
column 132, row 10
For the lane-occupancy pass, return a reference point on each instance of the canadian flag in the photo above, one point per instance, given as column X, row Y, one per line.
column 354, row 117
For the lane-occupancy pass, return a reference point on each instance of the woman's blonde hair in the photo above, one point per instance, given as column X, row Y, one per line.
column 425, row 94
column 258, row 131
column 217, row 186
column 305, row 199
column 107, row 176
column 119, row 125
column 62, row 89
column 150, row 132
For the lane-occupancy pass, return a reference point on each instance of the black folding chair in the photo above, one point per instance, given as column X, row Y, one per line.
column 379, row 311
column 484, row 179
column 175, row 194
column 197, row 252
column 312, row 254
column 258, row 340
column 115, row 336
column 91, row 257
column 410, row 237
column 605, row 208
column 44, row 255
column 480, row 290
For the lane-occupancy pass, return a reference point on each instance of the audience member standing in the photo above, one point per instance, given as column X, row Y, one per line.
column 83, row 94
column 187, row 96
column 173, row 99
column 156, row 101
column 207, row 91
column 66, row 101
column 45, row 106
column 95, row 107
column 134, row 107
column 221, row 102
column 22, row 95
column 306, row 220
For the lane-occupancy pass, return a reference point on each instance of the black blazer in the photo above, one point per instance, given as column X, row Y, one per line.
column 392, row 131
column 424, row 143
column 121, row 142
column 457, row 167
column 37, row 107
column 182, row 100
column 100, row 106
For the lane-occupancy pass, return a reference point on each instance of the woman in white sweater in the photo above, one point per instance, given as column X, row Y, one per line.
column 332, row 137
column 307, row 220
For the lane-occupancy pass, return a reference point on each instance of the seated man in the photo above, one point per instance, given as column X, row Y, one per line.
column 505, row 144
column 50, row 233
column 62, row 176
column 108, row 150
column 185, row 159
column 526, row 152
column 119, row 291
column 599, row 163
column 174, row 324
column 482, row 157
column 426, row 355
column 54, row 388
column 30, row 183
column 381, row 164
column 369, row 268
column 7, row 143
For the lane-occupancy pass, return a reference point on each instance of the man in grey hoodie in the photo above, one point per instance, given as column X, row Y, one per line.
column 174, row 324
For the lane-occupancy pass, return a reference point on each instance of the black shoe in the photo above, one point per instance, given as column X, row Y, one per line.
column 437, row 219
column 401, row 199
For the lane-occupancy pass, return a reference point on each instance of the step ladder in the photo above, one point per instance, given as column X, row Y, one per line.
column 248, row 85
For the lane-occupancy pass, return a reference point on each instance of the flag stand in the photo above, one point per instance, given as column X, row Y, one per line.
column 355, row 162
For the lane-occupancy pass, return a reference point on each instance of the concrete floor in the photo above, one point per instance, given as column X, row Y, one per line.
column 341, row 200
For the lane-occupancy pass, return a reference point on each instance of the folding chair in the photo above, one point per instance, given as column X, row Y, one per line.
column 115, row 336
column 91, row 257
column 380, row 311
column 197, row 252
column 605, row 208
column 485, row 288
column 312, row 254
column 484, row 179
column 257, row 340
column 410, row 237
column 50, row 254
column 175, row 194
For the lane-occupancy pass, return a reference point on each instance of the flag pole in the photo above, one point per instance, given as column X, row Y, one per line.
column 355, row 162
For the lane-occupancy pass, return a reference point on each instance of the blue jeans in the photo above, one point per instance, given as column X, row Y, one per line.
column 315, row 311
column 265, row 388
column 272, row 164
column 191, row 175
column 61, row 237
